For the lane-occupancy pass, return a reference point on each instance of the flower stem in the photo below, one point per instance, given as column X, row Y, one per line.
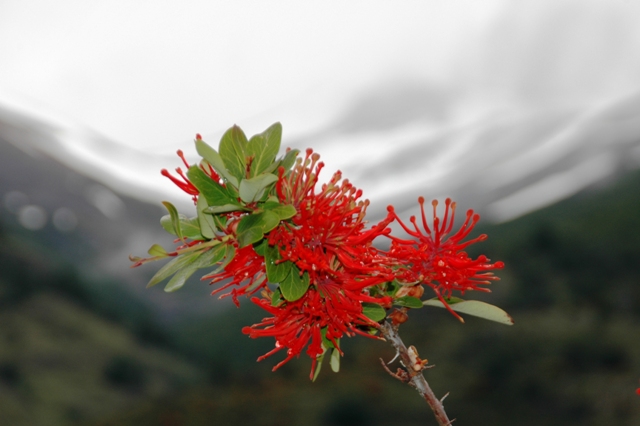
column 413, row 374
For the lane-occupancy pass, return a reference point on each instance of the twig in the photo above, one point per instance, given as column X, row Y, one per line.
column 413, row 374
column 400, row 374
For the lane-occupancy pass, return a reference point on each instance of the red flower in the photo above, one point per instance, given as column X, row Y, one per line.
column 246, row 269
column 328, row 231
column 438, row 260
column 330, row 304
column 185, row 184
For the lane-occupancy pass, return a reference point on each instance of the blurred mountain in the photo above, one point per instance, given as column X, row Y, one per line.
column 78, row 218
column 396, row 142
column 504, row 164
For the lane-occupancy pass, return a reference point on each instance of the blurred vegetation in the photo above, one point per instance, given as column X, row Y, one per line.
column 79, row 352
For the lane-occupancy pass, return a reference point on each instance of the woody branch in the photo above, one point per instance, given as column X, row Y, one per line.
column 414, row 366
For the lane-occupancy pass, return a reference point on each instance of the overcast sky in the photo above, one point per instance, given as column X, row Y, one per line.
column 152, row 73
column 148, row 75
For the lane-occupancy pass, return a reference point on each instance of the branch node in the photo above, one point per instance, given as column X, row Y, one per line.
column 400, row 374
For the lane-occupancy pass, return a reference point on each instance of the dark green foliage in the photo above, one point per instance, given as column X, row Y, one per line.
column 23, row 273
column 26, row 270
column 125, row 372
column 580, row 253
column 348, row 411
column 9, row 374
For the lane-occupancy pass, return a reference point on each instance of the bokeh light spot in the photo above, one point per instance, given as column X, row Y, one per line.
column 32, row 217
column 64, row 220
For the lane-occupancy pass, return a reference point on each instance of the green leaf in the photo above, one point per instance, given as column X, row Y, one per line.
column 264, row 148
column 294, row 286
column 172, row 267
column 334, row 361
column 215, row 160
column 232, row 151
column 220, row 221
column 451, row 300
column 205, row 221
column 409, row 302
column 157, row 250
column 204, row 260
column 215, row 194
column 261, row 248
column 253, row 149
column 289, row 159
column 233, row 192
column 276, row 272
column 223, row 209
column 268, row 221
column 326, row 343
column 190, row 227
column 254, row 146
column 177, row 281
column 252, row 189
column 373, row 311
column 227, row 252
column 221, row 252
column 250, row 236
column 249, row 221
column 167, row 224
column 475, row 308
column 252, row 227
column 175, row 219
column 217, row 254
column 284, row 211
column 276, row 297
column 319, row 360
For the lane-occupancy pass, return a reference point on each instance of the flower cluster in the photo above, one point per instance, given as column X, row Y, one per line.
column 325, row 240
column 327, row 234
column 327, row 311
column 303, row 250
column 436, row 259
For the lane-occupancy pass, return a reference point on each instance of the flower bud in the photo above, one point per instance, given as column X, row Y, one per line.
column 413, row 291
column 398, row 317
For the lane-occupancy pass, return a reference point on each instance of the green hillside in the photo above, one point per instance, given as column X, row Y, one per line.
column 68, row 354
column 61, row 364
